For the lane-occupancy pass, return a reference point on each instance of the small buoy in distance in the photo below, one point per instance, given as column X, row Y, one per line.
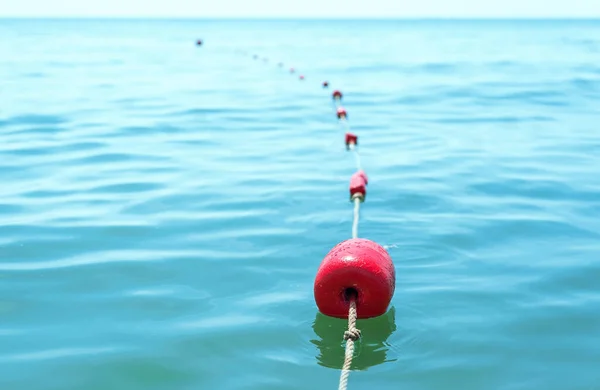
column 301, row 77
column 325, row 84
column 255, row 56
column 337, row 95
column 358, row 186
column 292, row 70
column 199, row 42
column 280, row 64
column 341, row 113
column 356, row 267
column 351, row 139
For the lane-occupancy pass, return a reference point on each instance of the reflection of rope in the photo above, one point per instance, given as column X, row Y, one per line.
column 356, row 214
column 351, row 335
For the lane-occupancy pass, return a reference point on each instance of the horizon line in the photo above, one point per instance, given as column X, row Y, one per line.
column 283, row 17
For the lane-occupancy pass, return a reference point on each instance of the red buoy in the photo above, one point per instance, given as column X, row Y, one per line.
column 301, row 77
column 341, row 113
column 351, row 139
column 199, row 42
column 325, row 84
column 337, row 95
column 360, row 267
column 358, row 185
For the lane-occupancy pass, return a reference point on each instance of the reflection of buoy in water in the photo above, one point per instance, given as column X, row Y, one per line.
column 374, row 345
column 357, row 267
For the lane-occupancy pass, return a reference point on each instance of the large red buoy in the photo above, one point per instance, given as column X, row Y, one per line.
column 341, row 113
column 337, row 95
column 357, row 267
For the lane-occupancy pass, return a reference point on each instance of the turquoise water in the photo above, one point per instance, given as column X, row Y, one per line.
column 164, row 207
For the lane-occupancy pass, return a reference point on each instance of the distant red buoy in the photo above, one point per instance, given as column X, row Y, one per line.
column 199, row 42
column 325, row 84
column 360, row 267
column 358, row 185
column 292, row 70
column 301, row 77
column 351, row 139
column 337, row 95
column 341, row 113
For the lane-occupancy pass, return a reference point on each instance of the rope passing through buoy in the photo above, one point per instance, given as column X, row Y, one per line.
column 357, row 278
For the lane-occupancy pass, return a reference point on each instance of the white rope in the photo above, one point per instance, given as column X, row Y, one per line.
column 351, row 336
column 352, row 148
column 356, row 215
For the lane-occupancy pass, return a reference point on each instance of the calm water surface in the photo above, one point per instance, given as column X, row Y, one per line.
column 164, row 207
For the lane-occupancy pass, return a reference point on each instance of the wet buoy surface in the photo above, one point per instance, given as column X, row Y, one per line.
column 356, row 266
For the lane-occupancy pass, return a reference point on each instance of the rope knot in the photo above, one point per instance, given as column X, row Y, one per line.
column 352, row 334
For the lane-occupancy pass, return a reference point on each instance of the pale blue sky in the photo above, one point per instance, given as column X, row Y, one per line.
column 303, row 8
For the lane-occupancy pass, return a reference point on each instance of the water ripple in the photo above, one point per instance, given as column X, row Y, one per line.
column 165, row 207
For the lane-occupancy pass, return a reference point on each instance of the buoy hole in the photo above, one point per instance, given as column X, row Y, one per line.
column 350, row 293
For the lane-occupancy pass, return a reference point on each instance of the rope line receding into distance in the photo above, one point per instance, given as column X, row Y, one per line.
column 357, row 192
column 351, row 336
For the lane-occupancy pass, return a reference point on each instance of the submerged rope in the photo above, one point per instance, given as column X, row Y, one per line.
column 351, row 335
